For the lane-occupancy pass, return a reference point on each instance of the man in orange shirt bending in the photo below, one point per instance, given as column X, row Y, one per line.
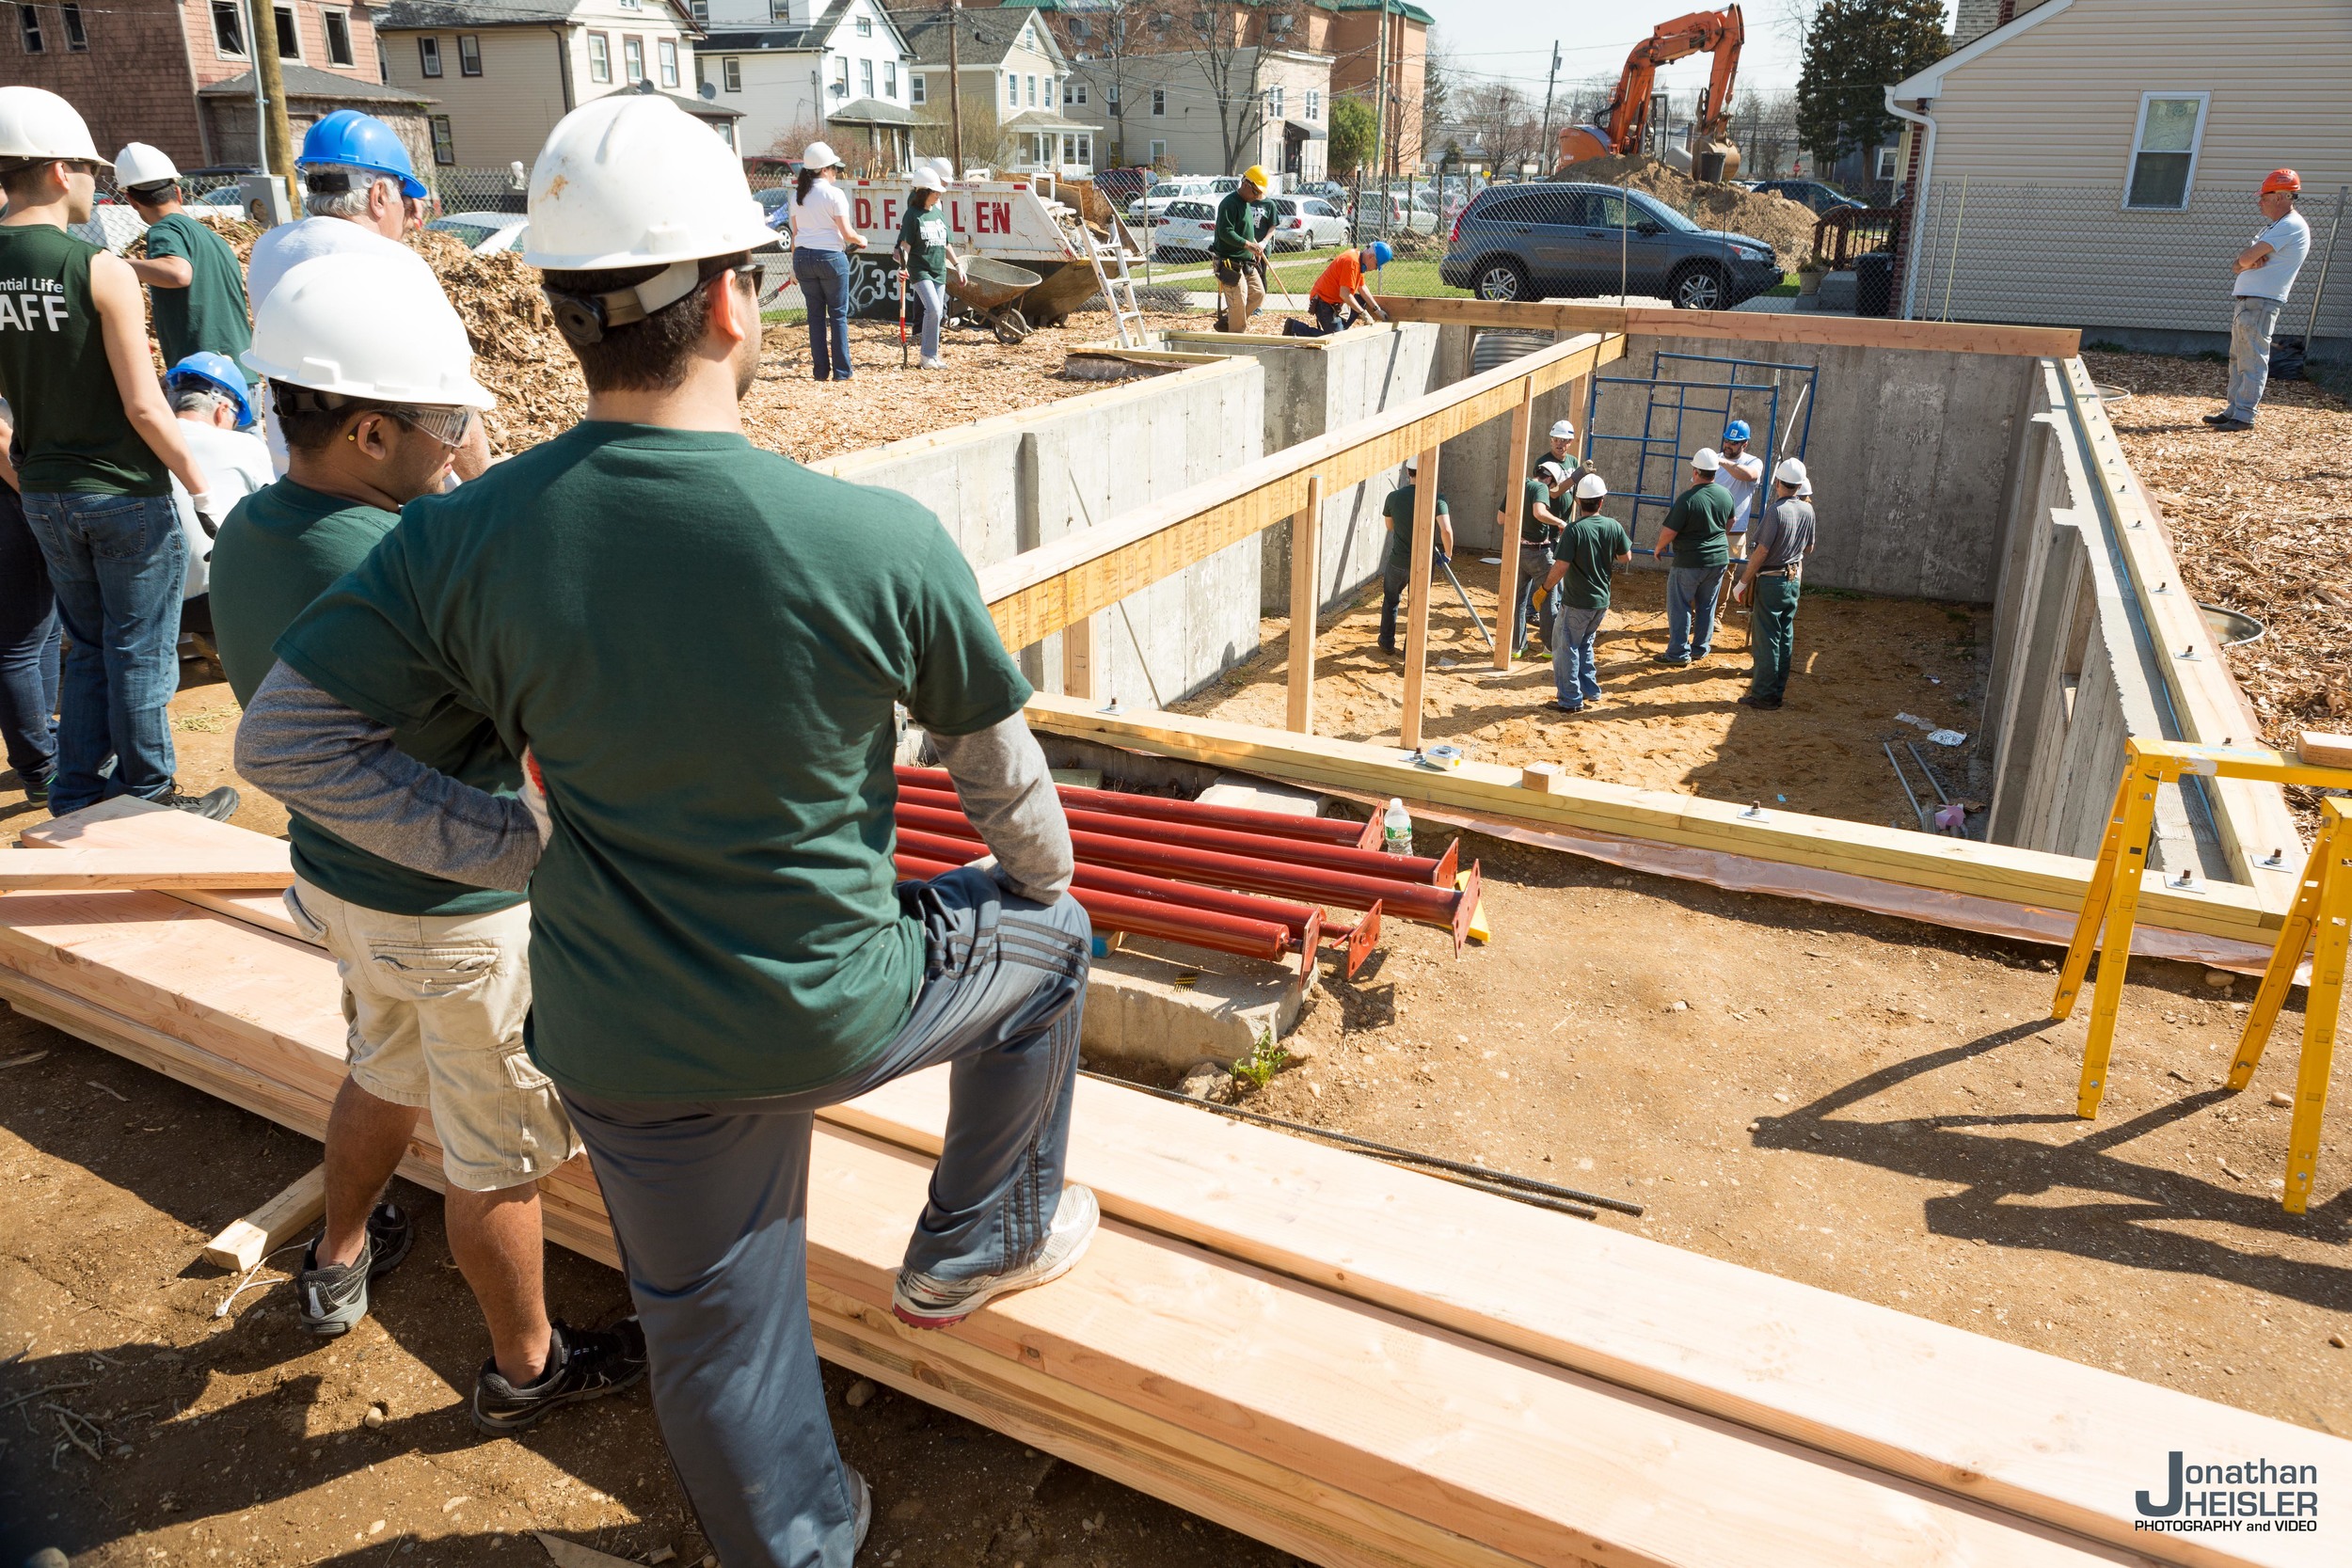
column 1338, row 298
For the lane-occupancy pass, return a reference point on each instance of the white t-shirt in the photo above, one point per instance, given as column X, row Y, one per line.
column 235, row 463
column 812, row 225
column 2290, row 240
column 287, row 246
column 1741, row 475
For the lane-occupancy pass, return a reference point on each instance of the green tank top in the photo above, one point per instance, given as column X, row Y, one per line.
column 72, row 433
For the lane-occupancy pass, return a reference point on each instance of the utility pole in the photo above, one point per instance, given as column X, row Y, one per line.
column 277, row 136
column 955, row 89
column 1380, row 102
column 1543, row 143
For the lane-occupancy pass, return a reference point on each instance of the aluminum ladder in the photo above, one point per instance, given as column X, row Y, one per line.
column 1109, row 262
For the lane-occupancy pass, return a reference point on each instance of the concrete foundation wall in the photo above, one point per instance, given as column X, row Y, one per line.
column 1472, row 470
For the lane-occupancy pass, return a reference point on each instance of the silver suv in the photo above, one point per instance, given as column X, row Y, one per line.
column 1558, row 239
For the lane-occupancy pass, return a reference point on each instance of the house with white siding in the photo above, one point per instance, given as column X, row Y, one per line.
column 1276, row 110
column 805, row 70
column 1016, row 87
column 2095, row 164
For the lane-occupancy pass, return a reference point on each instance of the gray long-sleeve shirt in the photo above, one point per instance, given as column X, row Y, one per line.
column 340, row 770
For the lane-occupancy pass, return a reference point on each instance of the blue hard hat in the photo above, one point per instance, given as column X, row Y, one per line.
column 360, row 141
column 1381, row 253
column 216, row 372
column 1736, row 431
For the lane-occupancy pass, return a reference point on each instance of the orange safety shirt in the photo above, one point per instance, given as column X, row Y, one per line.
column 1344, row 275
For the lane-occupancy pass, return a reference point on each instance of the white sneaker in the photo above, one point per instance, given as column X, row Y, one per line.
column 924, row 1301
column 934, row 364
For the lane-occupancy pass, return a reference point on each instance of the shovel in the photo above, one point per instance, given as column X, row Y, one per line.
column 902, row 318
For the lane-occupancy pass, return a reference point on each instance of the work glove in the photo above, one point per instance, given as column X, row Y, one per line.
column 205, row 518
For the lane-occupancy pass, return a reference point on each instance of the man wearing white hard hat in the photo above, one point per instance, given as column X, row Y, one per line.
column 697, row 647
column 1772, row 580
column 371, row 374
column 1696, row 536
column 925, row 256
column 1541, row 518
column 97, row 450
column 1564, row 444
column 822, row 238
column 1586, row 554
column 191, row 277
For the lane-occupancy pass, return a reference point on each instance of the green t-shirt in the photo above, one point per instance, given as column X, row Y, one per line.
column 1701, row 519
column 1589, row 548
column 1240, row 222
column 209, row 313
column 71, row 428
column 701, row 642
column 1536, row 493
column 1398, row 510
column 925, row 236
column 280, row 549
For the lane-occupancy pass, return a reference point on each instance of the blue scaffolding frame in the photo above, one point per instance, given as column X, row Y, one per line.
column 1718, row 401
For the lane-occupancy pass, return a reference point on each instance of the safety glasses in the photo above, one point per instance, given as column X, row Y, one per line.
column 445, row 425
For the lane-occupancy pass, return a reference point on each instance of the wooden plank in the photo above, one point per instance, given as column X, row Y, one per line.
column 1416, row 593
column 275, row 1223
column 105, row 870
column 127, row 822
column 1040, row 590
column 1515, row 474
column 2044, row 342
column 1305, row 606
column 2321, row 750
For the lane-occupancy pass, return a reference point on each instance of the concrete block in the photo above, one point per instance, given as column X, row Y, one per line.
column 1249, row 794
column 1139, row 1009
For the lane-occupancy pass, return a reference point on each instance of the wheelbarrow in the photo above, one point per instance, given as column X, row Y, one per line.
column 989, row 291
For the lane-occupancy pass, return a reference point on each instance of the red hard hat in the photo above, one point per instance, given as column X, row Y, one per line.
column 2282, row 180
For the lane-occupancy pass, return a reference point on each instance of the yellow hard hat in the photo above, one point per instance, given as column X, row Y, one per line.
column 1255, row 175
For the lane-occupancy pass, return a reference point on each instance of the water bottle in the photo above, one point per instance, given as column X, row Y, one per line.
column 1396, row 830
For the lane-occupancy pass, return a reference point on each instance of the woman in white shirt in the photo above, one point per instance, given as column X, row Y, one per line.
column 822, row 238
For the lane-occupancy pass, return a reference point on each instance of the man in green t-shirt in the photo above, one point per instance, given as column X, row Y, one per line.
column 436, row 971
column 697, row 647
column 193, row 277
column 1539, row 525
column 1396, row 567
column 1243, row 220
column 1588, row 550
column 1696, row 533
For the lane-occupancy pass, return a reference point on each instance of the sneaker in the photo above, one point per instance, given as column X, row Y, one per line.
column 1766, row 705
column 864, row 1512
column 2216, row 419
column 1669, row 659
column 2227, row 424
column 923, row 1300
column 933, row 364
column 1563, row 707
column 332, row 1298
column 37, row 790
column 214, row 805
column 582, row 1364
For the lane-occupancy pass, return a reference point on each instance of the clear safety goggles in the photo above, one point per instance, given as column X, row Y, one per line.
column 445, row 425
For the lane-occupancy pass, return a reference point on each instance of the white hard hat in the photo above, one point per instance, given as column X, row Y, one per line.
column 36, row 125
column 818, row 155
column 1805, row 488
column 366, row 326
column 929, row 180
column 630, row 180
column 141, row 165
column 1792, row 471
column 1564, row 431
column 1550, row 471
column 1412, row 464
column 1591, row 488
column 1704, row 460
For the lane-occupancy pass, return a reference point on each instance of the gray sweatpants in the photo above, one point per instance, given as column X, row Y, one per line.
column 709, row 1204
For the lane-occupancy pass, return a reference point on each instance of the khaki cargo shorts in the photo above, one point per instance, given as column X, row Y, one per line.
column 435, row 1006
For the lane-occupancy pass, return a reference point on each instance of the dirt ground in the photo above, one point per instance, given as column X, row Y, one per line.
column 1860, row 661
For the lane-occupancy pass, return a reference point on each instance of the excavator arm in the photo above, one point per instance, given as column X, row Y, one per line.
column 1625, row 119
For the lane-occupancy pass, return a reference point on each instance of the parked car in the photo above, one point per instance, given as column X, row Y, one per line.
column 1575, row 240
column 1154, row 202
column 485, row 233
column 1181, row 231
column 1338, row 196
column 1824, row 199
column 1393, row 214
column 1305, row 223
column 774, row 200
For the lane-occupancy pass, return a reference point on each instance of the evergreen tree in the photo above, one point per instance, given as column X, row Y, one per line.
column 1854, row 52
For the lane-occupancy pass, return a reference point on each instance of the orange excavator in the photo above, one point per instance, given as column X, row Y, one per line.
column 1625, row 120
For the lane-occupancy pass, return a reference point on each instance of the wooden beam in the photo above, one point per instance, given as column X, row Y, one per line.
column 96, row 870
column 1514, row 471
column 1306, row 602
column 1040, row 590
column 130, row 824
column 2321, row 750
column 1416, row 593
column 2043, row 343
column 248, row 1240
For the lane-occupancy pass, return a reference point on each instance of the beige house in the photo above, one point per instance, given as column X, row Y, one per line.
column 503, row 71
column 1174, row 119
column 2095, row 164
column 1017, row 88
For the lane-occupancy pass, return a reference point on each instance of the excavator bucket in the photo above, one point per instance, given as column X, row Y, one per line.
column 1581, row 143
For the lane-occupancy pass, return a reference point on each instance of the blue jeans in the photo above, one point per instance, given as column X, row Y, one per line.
column 1574, row 679
column 29, row 639
column 1535, row 565
column 824, row 276
column 1691, row 611
column 117, row 564
column 2250, row 325
column 932, row 298
column 709, row 1204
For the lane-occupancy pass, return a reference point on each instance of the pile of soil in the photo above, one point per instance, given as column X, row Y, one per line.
column 1785, row 226
column 518, row 353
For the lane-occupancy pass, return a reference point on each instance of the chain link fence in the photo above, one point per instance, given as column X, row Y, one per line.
column 2077, row 256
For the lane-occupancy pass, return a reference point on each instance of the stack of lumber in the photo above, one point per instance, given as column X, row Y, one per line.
column 1357, row 1364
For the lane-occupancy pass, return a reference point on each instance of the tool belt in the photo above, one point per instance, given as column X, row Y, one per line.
column 1231, row 268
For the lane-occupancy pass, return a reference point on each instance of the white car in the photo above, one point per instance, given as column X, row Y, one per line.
column 1181, row 231
column 1190, row 188
column 1305, row 223
column 485, row 233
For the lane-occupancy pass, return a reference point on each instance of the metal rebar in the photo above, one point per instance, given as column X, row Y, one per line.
column 1327, row 829
column 1222, row 933
column 1933, row 783
column 1917, row 813
column 1448, row 566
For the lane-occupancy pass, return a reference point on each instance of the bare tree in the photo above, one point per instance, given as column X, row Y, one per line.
column 1226, row 38
column 1503, row 122
column 1109, row 34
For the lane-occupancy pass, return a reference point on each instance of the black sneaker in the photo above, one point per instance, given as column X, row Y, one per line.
column 37, row 790
column 2233, row 424
column 214, row 805
column 333, row 1298
column 582, row 1364
column 2216, row 419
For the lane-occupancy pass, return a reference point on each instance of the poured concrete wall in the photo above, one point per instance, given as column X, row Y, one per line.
column 1471, row 467
column 1313, row 386
column 1023, row 480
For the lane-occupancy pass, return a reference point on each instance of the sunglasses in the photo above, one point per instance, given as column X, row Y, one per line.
column 446, row 425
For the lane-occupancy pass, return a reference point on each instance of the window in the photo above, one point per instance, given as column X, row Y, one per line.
column 865, row 78
column 1012, row 90
column 76, row 40
column 444, row 141
column 779, row 10
column 468, row 53
column 1049, row 92
column 1159, row 101
column 1032, row 93
column 731, row 74
column 841, row 77
column 429, row 55
column 918, row 88
column 29, row 17
column 632, row 60
column 599, row 58
column 1886, row 165
column 1110, row 93
column 2164, row 152
column 1080, row 28
column 338, row 37
column 890, row 79
column 1273, row 103
column 228, row 28
column 700, row 11
column 665, row 51
column 1159, row 150
column 289, row 35
column 1073, row 92
column 865, row 26
column 1315, row 105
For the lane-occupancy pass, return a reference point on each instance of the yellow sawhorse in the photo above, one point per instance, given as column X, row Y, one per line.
column 2112, row 901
